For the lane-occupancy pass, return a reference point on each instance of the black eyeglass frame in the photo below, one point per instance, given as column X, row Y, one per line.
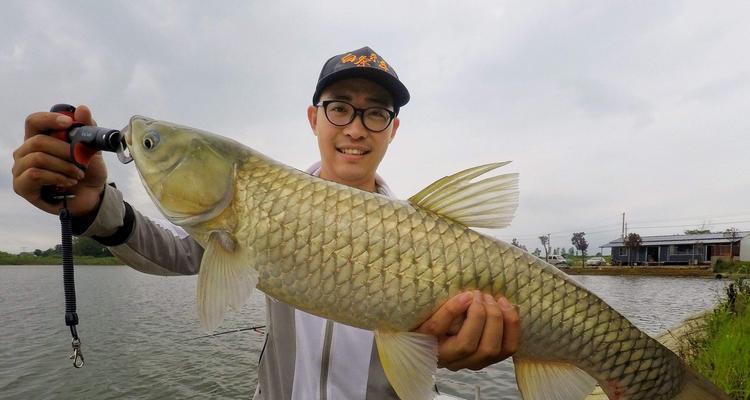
column 357, row 111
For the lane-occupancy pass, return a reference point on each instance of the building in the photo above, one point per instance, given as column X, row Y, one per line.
column 681, row 249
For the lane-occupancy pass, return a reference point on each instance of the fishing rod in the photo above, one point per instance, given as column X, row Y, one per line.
column 257, row 328
column 85, row 142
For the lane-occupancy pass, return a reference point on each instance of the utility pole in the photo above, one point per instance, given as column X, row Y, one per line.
column 623, row 226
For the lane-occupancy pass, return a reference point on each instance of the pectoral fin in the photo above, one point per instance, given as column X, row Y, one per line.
column 551, row 381
column 488, row 203
column 226, row 279
column 409, row 360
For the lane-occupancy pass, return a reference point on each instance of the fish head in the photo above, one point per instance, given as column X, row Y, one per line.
column 188, row 173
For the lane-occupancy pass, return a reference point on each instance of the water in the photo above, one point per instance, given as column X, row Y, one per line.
column 134, row 329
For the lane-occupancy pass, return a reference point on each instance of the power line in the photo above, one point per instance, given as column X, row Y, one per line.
column 687, row 225
column 613, row 229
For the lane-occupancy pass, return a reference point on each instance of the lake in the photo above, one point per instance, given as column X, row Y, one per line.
column 136, row 331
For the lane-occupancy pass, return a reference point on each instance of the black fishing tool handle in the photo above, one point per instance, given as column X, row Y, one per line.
column 55, row 194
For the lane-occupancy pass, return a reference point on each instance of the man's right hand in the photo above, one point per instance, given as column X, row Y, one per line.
column 43, row 160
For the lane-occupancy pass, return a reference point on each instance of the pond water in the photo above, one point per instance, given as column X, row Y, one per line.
column 136, row 331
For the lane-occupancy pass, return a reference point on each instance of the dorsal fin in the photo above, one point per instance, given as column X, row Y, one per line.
column 488, row 203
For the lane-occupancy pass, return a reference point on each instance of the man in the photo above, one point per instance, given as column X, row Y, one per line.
column 354, row 117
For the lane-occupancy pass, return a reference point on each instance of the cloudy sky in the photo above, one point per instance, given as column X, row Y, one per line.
column 604, row 107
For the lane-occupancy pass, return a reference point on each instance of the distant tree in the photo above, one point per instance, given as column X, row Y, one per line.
column 556, row 251
column 537, row 252
column 86, row 246
column 38, row 252
column 571, row 251
column 515, row 242
column 52, row 251
column 697, row 231
column 732, row 234
column 580, row 243
column 632, row 242
column 545, row 245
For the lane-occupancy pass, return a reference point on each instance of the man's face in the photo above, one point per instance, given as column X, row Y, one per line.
column 350, row 154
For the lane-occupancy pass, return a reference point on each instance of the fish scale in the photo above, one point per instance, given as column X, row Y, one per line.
column 387, row 265
column 475, row 248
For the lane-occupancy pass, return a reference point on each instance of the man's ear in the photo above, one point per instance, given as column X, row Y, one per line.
column 312, row 117
column 396, row 122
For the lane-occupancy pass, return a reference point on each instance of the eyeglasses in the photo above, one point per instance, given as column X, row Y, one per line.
column 341, row 113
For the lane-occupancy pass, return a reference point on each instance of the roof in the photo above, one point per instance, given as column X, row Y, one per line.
column 705, row 238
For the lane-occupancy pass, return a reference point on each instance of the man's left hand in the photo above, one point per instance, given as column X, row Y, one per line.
column 474, row 330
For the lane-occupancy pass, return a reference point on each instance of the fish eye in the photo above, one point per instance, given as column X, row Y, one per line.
column 150, row 140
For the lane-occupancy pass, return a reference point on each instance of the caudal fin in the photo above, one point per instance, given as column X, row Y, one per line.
column 697, row 387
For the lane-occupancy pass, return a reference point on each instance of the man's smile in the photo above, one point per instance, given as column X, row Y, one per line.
column 352, row 150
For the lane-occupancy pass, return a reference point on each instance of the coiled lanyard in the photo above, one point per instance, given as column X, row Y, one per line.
column 71, row 317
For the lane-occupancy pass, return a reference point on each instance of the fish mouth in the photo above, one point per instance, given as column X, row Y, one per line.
column 127, row 132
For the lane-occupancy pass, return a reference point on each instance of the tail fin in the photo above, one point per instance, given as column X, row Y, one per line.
column 697, row 387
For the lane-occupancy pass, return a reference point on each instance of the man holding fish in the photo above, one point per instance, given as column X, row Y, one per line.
column 354, row 118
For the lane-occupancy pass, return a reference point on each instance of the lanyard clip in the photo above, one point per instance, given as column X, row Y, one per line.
column 77, row 355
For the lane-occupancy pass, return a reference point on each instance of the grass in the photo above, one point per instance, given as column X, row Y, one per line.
column 30, row 259
column 721, row 352
column 736, row 267
column 577, row 261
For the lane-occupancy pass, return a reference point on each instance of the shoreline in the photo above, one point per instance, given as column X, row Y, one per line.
column 677, row 271
column 16, row 260
column 674, row 271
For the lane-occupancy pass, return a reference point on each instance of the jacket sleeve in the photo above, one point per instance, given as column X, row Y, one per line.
column 151, row 246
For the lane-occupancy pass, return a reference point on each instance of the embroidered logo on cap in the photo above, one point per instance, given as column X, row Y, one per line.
column 363, row 61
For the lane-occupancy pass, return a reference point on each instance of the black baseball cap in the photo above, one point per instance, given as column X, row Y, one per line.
column 362, row 63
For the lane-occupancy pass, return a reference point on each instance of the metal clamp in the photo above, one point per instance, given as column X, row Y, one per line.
column 77, row 355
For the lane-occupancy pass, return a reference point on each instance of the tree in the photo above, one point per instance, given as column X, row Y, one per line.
column 571, row 251
column 86, row 246
column 579, row 241
column 515, row 242
column 545, row 245
column 632, row 242
column 732, row 234
column 53, row 251
column 38, row 252
column 537, row 252
column 697, row 231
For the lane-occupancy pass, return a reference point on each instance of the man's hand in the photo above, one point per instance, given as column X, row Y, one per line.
column 474, row 330
column 43, row 160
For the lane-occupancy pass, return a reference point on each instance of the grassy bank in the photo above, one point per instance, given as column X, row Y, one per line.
column 30, row 259
column 731, row 268
column 721, row 353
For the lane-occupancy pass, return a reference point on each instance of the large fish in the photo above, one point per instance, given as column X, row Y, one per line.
column 386, row 265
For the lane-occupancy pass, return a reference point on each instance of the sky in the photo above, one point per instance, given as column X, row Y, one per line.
column 605, row 108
